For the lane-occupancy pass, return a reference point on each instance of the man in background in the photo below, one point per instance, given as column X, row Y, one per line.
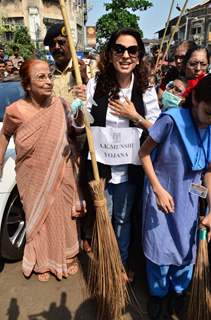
column 16, row 58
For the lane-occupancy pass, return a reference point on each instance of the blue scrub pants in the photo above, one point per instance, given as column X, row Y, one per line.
column 162, row 279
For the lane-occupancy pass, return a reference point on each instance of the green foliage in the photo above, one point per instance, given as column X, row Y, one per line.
column 134, row 5
column 119, row 17
column 7, row 28
column 110, row 22
column 21, row 36
column 23, row 41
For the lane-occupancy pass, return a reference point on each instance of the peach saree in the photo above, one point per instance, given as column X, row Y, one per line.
column 46, row 181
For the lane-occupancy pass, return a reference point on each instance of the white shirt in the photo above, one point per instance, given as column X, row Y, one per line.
column 119, row 173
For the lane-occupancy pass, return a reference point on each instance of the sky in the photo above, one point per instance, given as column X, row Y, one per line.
column 151, row 20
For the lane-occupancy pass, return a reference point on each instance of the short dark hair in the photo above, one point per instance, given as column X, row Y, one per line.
column 190, row 52
column 189, row 44
column 155, row 48
column 202, row 89
column 5, row 61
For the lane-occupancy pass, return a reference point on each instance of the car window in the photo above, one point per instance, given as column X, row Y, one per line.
column 9, row 92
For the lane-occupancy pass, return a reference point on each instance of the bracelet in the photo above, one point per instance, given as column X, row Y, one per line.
column 139, row 121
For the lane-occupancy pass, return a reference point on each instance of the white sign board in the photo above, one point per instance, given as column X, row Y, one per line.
column 116, row 146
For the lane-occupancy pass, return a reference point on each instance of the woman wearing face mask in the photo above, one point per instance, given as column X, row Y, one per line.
column 180, row 139
column 173, row 95
column 117, row 91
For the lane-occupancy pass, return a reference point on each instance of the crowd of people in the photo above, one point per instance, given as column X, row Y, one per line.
column 164, row 114
column 10, row 65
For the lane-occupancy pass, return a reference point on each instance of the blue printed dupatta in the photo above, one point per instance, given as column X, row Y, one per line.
column 197, row 147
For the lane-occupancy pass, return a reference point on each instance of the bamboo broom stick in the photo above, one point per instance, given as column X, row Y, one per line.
column 106, row 281
column 174, row 30
column 164, row 35
column 79, row 81
column 199, row 307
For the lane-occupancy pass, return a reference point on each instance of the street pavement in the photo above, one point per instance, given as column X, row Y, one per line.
column 30, row 299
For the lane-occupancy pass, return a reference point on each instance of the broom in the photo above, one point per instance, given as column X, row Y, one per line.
column 199, row 307
column 106, row 280
column 163, row 38
column 174, row 30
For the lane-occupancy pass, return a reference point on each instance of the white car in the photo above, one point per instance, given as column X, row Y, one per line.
column 12, row 220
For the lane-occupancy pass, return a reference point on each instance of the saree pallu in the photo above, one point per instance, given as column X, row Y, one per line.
column 48, row 190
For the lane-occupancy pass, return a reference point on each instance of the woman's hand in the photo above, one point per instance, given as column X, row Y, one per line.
column 164, row 200
column 83, row 71
column 206, row 221
column 124, row 109
column 79, row 91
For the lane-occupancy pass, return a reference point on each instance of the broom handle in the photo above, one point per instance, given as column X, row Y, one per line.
column 174, row 30
column 70, row 42
column 79, row 82
column 164, row 35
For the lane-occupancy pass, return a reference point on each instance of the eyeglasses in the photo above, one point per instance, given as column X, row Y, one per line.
column 119, row 50
column 194, row 64
column 61, row 42
column 172, row 86
column 41, row 77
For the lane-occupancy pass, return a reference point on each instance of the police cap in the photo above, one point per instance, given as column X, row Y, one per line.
column 54, row 31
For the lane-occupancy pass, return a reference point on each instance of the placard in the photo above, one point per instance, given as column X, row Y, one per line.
column 116, row 146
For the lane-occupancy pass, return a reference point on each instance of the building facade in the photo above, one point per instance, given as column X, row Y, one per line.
column 39, row 15
column 195, row 25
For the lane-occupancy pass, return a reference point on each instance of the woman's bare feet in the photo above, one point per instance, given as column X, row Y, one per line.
column 72, row 266
column 43, row 277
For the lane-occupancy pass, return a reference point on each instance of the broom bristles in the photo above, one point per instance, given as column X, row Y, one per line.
column 199, row 307
column 106, row 282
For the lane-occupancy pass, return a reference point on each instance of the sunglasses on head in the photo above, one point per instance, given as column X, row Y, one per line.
column 171, row 86
column 119, row 50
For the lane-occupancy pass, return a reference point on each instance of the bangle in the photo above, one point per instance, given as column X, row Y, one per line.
column 139, row 121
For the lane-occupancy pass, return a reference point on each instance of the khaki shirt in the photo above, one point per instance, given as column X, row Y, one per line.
column 63, row 83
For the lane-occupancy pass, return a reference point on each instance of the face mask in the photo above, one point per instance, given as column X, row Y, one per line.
column 169, row 100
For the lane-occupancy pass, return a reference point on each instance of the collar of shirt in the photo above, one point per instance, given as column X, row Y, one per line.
column 66, row 70
column 126, row 92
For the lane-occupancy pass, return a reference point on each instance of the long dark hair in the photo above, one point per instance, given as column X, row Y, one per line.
column 106, row 76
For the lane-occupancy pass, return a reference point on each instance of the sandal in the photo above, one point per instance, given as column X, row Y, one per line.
column 72, row 266
column 43, row 277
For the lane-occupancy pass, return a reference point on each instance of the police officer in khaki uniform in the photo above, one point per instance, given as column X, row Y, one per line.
column 64, row 83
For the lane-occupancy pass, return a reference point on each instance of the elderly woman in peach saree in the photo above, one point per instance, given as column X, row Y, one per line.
column 46, row 174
